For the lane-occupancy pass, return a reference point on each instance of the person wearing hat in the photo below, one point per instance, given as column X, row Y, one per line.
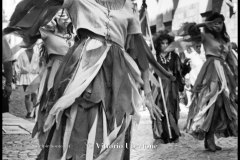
column 172, row 63
column 214, row 110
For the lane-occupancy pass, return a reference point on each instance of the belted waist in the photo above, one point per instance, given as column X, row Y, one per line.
column 84, row 33
column 215, row 57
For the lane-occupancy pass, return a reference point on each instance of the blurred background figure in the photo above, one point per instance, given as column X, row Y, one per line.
column 196, row 56
column 214, row 110
column 7, row 74
column 172, row 63
column 27, row 69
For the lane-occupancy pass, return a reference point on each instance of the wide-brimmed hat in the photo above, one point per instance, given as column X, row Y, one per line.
column 215, row 15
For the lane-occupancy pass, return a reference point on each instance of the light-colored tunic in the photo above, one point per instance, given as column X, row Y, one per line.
column 196, row 64
column 32, row 67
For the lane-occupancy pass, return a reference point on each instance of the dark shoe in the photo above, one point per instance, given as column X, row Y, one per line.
column 209, row 143
column 205, row 143
column 176, row 140
column 218, row 148
column 210, row 146
column 28, row 115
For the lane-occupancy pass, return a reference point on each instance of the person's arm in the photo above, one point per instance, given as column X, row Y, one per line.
column 7, row 65
column 154, row 111
column 140, row 56
column 138, row 47
column 8, row 75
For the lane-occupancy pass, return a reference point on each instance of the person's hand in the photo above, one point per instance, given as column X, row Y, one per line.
column 8, row 90
column 172, row 77
column 186, row 65
column 187, row 61
column 193, row 30
column 154, row 110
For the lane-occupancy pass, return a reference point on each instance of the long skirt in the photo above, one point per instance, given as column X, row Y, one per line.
column 214, row 93
column 162, row 129
column 88, row 112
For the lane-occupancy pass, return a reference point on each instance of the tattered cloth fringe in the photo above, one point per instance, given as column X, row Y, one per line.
column 85, row 72
column 29, row 16
column 199, row 120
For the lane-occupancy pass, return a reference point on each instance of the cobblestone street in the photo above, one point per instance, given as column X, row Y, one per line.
column 19, row 147
column 187, row 148
column 143, row 146
column 75, row 71
column 22, row 146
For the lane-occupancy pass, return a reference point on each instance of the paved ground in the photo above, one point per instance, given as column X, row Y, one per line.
column 22, row 146
column 188, row 148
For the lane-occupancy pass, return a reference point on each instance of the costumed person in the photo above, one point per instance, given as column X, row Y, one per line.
column 213, row 110
column 27, row 69
column 7, row 74
column 172, row 63
column 197, row 58
column 57, row 39
column 94, row 95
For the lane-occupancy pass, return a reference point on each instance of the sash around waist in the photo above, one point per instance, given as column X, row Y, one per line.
column 84, row 33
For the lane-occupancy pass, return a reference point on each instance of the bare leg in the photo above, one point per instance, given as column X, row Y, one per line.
column 209, row 138
column 34, row 98
column 28, row 105
column 34, row 101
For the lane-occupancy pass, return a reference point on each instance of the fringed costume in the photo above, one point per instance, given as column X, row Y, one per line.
column 94, row 96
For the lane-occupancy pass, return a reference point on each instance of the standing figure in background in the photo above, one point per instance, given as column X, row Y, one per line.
column 7, row 74
column 27, row 68
column 196, row 62
column 57, row 39
column 214, row 110
column 172, row 63
column 197, row 58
